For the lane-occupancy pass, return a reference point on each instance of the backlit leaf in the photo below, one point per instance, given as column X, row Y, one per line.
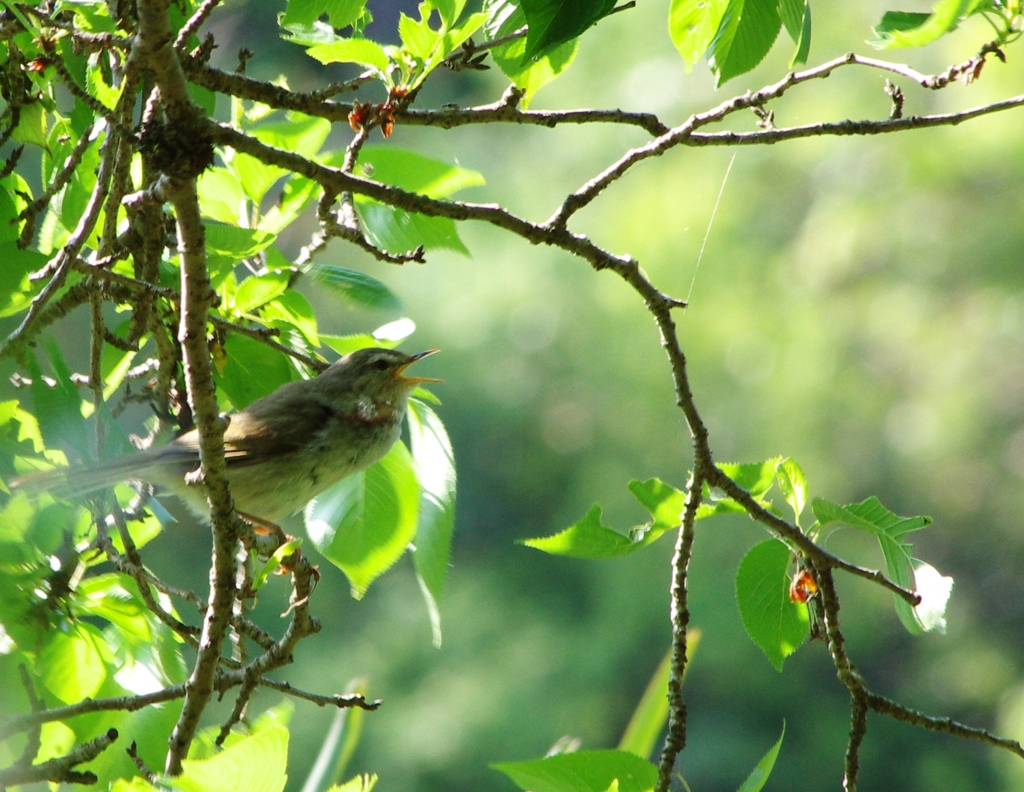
column 775, row 623
column 364, row 523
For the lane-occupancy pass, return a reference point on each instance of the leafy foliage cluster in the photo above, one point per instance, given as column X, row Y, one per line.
column 167, row 223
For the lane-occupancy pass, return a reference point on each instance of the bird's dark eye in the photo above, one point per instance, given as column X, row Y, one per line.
column 380, row 365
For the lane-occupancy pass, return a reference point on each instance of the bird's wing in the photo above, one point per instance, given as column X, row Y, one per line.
column 280, row 424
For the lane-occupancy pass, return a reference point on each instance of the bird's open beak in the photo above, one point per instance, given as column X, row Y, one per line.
column 416, row 380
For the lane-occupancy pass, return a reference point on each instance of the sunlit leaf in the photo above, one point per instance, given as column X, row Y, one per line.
column 898, row 28
column 221, row 197
column 745, row 35
column 293, row 308
column 553, row 22
column 793, row 484
column 775, row 623
column 257, row 290
column 251, row 370
column 356, row 286
column 692, row 24
column 365, row 522
column 414, row 172
column 16, row 291
column 529, row 75
column 71, row 663
column 590, row 538
column 583, row 771
column 664, row 502
column 434, row 462
column 254, row 764
column 759, row 775
column 398, row 231
column 339, row 744
column 362, row 51
column 227, row 245
column 341, row 13
column 651, row 714
column 889, row 528
column 58, row 406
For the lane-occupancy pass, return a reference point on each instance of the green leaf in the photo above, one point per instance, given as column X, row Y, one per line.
column 745, row 35
column 360, row 783
column 398, row 231
column 258, row 290
column 896, row 22
column 222, row 198
column 895, row 29
column 759, row 775
column 251, row 370
column 297, row 193
column 309, row 35
column 274, row 562
column 583, row 771
column 343, row 345
column 71, row 663
column 358, row 287
column 775, row 623
column 366, row 53
column 8, row 215
column 418, row 38
column 57, row 739
column 692, row 24
column 137, row 784
column 364, row 523
column 76, row 196
column 142, row 532
column 552, row 22
column 889, row 528
column 756, row 478
column 651, row 715
column 341, row 13
column 301, row 134
column 803, row 44
column 254, row 764
column 434, row 463
column 339, row 744
column 16, row 291
column 293, row 308
column 31, row 125
column 793, row 484
column 414, row 172
column 227, row 245
column 58, row 408
column 256, row 177
column 449, row 10
column 665, row 503
column 528, row 75
column 98, row 86
column 103, row 596
column 590, row 538
column 387, row 336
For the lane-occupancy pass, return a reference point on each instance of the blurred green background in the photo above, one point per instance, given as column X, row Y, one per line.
column 860, row 307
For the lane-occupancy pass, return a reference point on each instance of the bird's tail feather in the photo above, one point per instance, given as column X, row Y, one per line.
column 72, row 482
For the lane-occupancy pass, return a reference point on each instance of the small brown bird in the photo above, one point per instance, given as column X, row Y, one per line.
column 281, row 451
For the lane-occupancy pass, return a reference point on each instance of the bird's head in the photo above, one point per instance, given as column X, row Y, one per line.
column 378, row 373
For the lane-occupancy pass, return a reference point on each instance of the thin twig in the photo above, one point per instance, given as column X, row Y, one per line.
column 59, row 770
column 675, row 740
column 336, row 700
column 195, row 22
